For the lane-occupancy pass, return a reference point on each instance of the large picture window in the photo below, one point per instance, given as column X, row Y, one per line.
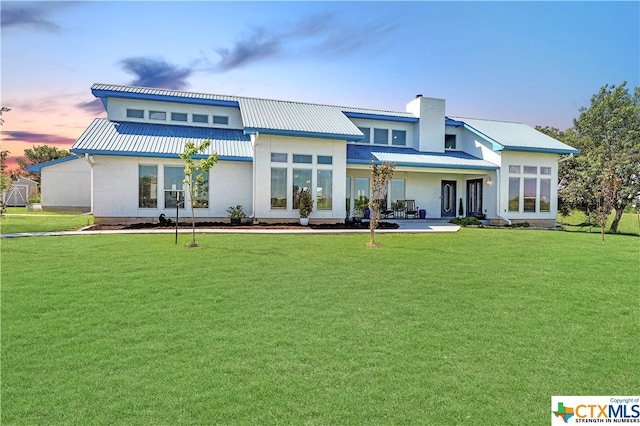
column 529, row 195
column 201, row 197
column 324, row 190
column 361, row 194
column 301, row 180
column 278, row 188
column 545, row 195
column 148, row 187
column 514, row 194
column 173, row 186
column 397, row 190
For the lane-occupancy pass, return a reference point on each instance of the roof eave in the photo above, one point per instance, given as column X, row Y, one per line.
column 542, row 150
column 301, row 133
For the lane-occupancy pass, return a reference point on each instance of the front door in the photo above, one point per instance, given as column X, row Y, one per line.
column 474, row 197
column 448, row 197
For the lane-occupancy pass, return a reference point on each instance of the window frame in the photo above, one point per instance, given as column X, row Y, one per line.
column 144, row 188
column 155, row 115
column 377, row 134
column 324, row 202
column 275, row 202
column 447, row 138
column 220, row 119
column 200, row 117
column 180, row 114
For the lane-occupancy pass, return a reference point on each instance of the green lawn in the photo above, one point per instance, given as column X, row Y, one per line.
column 629, row 223
column 18, row 220
column 478, row 327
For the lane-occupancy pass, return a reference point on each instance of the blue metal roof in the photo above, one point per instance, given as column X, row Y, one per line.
column 512, row 136
column 159, row 140
column 362, row 154
column 37, row 168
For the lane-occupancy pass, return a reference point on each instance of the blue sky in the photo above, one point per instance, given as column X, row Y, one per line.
column 533, row 62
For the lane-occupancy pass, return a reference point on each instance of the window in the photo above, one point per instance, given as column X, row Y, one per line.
column 304, row 159
column 545, row 170
column 397, row 190
column 135, row 113
column 277, row 157
column 278, row 188
column 545, row 195
column 301, row 180
column 220, row 119
column 324, row 190
column 449, row 141
column 361, row 196
column 157, row 115
column 173, row 186
column 381, row 136
column 200, row 118
column 514, row 169
column 325, row 159
column 398, row 137
column 201, row 197
column 148, row 187
column 530, row 194
column 514, row 194
column 178, row 116
column 530, row 170
column 367, row 134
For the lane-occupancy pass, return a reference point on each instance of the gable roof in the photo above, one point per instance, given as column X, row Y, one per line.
column 159, row 140
column 512, row 136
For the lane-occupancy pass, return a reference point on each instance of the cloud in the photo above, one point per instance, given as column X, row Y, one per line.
column 95, row 106
column 156, row 72
column 320, row 35
column 33, row 16
column 37, row 138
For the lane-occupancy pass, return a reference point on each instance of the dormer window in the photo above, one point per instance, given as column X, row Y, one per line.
column 220, row 119
column 157, row 115
column 449, row 141
column 135, row 113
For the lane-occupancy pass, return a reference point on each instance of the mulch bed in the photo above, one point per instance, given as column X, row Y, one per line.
column 227, row 225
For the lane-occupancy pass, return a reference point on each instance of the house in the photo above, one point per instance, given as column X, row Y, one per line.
column 270, row 149
column 19, row 192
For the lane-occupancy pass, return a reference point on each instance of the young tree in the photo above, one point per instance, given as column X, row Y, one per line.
column 194, row 175
column 5, row 180
column 38, row 155
column 381, row 175
column 605, row 196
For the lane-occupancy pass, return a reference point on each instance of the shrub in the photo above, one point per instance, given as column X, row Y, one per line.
column 466, row 221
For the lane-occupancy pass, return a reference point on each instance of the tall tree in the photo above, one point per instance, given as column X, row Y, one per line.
column 38, row 155
column 609, row 132
column 381, row 175
column 195, row 177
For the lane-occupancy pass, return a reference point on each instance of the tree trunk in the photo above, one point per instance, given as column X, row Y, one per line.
column 616, row 219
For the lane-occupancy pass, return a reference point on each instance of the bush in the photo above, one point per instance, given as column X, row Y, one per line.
column 466, row 221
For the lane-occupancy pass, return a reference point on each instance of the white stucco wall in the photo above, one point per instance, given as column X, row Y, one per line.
column 66, row 185
column 116, row 188
column 431, row 128
column 117, row 111
column 267, row 144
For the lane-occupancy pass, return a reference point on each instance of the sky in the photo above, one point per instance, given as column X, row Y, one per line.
column 531, row 62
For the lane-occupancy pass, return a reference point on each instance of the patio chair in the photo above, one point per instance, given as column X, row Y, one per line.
column 385, row 212
column 410, row 209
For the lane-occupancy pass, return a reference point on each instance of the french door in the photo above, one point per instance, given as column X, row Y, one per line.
column 448, row 199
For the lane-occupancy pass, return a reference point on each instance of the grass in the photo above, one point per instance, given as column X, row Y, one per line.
column 629, row 223
column 478, row 327
column 18, row 220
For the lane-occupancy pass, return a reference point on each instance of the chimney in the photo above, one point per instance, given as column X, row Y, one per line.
column 429, row 134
